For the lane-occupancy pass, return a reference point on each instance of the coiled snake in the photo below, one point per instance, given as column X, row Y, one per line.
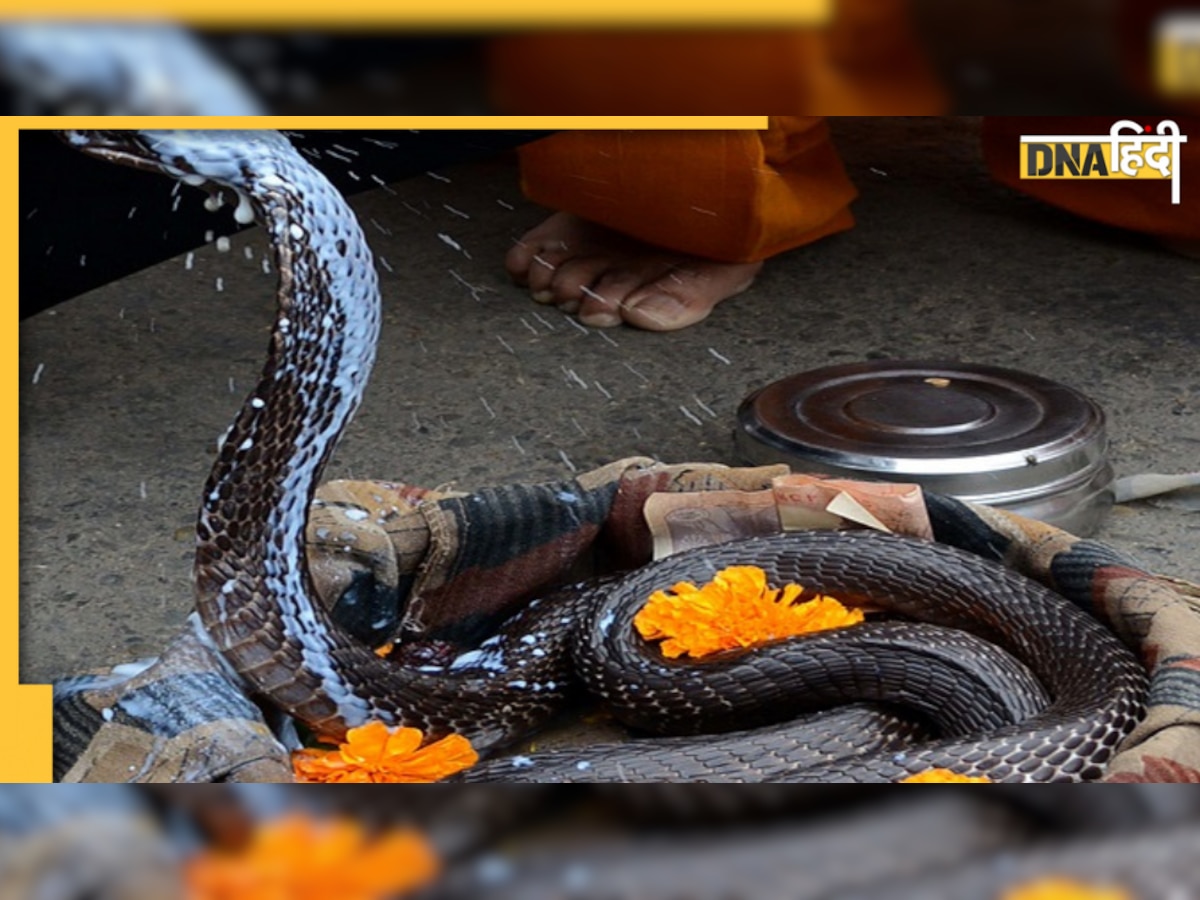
column 257, row 603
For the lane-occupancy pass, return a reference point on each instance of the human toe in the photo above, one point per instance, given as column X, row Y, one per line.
column 543, row 268
column 574, row 285
column 574, row 277
column 657, row 310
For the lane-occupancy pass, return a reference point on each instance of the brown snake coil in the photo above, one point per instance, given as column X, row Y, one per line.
column 257, row 603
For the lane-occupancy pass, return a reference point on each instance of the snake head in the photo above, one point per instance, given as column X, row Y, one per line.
column 231, row 157
column 202, row 158
column 129, row 148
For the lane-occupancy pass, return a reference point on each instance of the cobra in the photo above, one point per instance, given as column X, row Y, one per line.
column 257, row 602
column 253, row 591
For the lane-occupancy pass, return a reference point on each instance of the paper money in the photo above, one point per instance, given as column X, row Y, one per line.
column 701, row 519
column 681, row 521
column 811, row 501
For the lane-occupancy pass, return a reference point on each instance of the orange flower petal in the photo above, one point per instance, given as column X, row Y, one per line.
column 299, row 858
column 374, row 742
column 436, row 761
column 402, row 741
column 376, row 754
column 401, row 860
column 735, row 609
column 1059, row 888
column 942, row 776
column 791, row 593
column 742, row 581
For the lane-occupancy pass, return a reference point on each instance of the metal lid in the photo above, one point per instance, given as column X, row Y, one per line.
column 981, row 433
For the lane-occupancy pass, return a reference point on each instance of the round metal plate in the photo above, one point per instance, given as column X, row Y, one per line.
column 982, row 433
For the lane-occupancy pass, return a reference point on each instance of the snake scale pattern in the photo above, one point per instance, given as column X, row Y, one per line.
column 1095, row 685
column 257, row 603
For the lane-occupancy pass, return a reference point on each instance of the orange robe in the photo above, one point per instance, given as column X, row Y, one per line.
column 731, row 196
column 742, row 196
column 745, row 196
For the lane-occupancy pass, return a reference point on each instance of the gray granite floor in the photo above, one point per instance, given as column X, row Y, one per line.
column 477, row 385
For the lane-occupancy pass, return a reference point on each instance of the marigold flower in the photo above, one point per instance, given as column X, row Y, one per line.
column 942, row 776
column 1056, row 887
column 297, row 857
column 376, row 754
column 735, row 609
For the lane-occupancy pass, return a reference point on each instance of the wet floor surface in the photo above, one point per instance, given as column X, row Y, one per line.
column 125, row 390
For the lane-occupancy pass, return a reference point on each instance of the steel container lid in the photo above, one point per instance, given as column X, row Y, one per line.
column 981, row 433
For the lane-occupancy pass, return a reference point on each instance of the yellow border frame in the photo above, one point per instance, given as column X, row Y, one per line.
column 428, row 123
column 28, row 752
column 468, row 15
column 27, row 756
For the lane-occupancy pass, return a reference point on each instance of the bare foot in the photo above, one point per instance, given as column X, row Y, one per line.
column 606, row 278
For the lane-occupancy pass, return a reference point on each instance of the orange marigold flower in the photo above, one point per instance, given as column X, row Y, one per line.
column 735, row 609
column 942, row 776
column 300, row 858
column 1056, row 887
column 376, row 754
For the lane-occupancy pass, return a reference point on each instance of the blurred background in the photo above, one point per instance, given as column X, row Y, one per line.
column 697, row 841
column 873, row 58
column 993, row 56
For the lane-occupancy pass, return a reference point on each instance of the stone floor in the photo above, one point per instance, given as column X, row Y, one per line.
column 124, row 390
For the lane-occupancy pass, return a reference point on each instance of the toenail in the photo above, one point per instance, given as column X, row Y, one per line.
column 663, row 311
column 542, row 296
column 600, row 319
